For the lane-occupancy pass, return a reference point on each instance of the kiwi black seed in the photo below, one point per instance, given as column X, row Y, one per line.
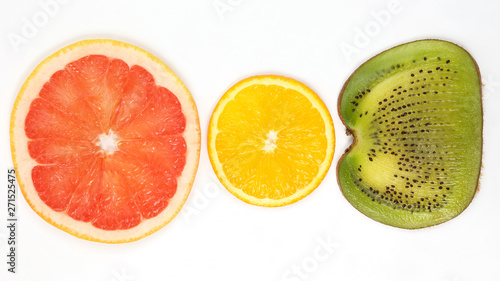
column 415, row 114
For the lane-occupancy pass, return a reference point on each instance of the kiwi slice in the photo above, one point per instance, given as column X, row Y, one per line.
column 415, row 115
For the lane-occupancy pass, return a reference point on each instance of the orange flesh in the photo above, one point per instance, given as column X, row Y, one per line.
column 112, row 189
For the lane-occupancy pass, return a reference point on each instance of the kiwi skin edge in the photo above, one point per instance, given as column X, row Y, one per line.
column 350, row 131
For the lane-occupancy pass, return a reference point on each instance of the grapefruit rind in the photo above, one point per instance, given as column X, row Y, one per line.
column 23, row 163
column 289, row 84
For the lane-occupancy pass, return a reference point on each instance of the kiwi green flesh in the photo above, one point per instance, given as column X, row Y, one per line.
column 415, row 114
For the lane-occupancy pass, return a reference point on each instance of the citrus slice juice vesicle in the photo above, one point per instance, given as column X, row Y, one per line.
column 270, row 140
column 105, row 141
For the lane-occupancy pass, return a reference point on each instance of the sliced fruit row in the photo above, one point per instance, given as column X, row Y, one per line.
column 105, row 138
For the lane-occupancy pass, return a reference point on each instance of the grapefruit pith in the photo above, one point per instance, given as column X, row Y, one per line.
column 105, row 140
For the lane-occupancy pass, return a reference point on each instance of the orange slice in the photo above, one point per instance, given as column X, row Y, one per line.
column 105, row 141
column 270, row 140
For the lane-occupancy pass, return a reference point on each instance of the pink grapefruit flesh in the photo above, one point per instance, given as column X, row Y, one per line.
column 109, row 144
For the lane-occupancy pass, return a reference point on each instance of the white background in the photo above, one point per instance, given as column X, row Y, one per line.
column 212, row 44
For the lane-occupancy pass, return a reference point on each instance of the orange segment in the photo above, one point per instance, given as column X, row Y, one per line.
column 105, row 148
column 270, row 140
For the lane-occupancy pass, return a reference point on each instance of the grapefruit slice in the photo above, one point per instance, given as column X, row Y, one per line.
column 105, row 140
